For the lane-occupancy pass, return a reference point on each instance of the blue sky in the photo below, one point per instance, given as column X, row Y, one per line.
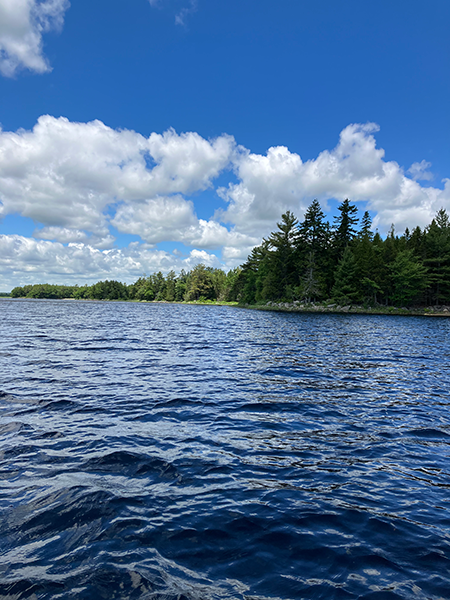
column 149, row 135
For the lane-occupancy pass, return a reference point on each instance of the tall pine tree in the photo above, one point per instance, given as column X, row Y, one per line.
column 437, row 258
column 282, row 274
column 344, row 227
column 313, row 251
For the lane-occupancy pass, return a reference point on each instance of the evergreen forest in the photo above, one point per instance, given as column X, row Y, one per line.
column 309, row 261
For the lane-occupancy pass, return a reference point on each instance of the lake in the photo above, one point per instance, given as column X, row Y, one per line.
column 163, row 452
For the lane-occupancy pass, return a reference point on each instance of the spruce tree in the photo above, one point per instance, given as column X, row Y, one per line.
column 281, row 274
column 366, row 226
column 346, row 289
column 344, row 228
column 170, row 287
column 250, row 278
column 415, row 242
column 409, row 278
column 313, row 251
column 311, row 288
column 437, row 258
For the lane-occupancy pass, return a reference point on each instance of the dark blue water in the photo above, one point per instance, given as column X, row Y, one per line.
column 196, row 453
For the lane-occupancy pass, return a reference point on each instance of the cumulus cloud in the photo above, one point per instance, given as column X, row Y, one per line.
column 65, row 236
column 157, row 220
column 174, row 219
column 355, row 169
column 67, row 176
column 25, row 260
column 77, row 180
column 187, row 162
column 22, row 25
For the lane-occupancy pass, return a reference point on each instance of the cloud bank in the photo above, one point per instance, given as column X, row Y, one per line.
column 83, row 182
column 22, row 26
column 24, row 260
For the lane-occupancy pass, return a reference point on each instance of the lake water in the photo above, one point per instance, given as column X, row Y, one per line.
column 163, row 452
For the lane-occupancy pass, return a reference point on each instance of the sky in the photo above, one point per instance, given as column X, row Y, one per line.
column 148, row 135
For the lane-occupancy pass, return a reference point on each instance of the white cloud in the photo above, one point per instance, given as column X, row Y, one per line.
column 181, row 17
column 158, row 220
column 201, row 256
column 419, row 171
column 173, row 219
column 234, row 256
column 190, row 7
column 22, row 25
column 267, row 185
column 24, row 260
column 355, row 169
column 186, row 162
column 66, row 236
column 211, row 234
column 76, row 180
column 67, row 176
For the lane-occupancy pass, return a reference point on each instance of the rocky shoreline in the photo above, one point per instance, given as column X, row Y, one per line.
column 422, row 311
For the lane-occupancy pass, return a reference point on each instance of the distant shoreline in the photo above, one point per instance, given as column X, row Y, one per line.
column 295, row 307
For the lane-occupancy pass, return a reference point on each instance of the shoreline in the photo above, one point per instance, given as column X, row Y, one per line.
column 325, row 308
column 291, row 307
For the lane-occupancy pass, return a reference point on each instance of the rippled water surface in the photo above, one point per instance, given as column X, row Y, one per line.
column 200, row 452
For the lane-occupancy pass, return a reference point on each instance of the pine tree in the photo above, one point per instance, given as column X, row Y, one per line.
column 415, row 242
column 437, row 257
column 170, row 287
column 366, row 226
column 313, row 252
column 181, row 286
column 251, row 276
column 344, row 228
column 346, row 288
column 390, row 249
column 367, row 261
column 231, row 284
column 311, row 287
column 280, row 259
column 159, row 285
column 409, row 278
column 314, row 231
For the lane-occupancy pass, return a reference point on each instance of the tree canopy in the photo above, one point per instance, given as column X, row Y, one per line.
column 304, row 261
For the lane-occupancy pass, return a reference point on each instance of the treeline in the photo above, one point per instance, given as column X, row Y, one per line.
column 308, row 261
column 312, row 261
column 201, row 283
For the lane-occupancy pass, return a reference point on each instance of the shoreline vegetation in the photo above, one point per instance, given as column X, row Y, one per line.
column 308, row 266
column 295, row 307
